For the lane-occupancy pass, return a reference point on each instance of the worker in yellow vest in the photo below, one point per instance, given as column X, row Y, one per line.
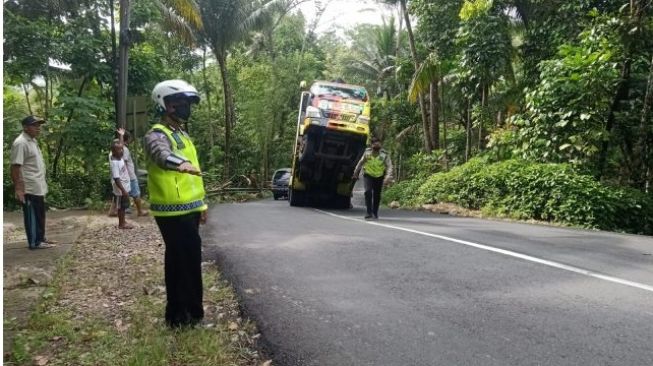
column 377, row 172
column 177, row 200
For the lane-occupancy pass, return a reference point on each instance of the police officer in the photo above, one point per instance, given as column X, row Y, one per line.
column 377, row 171
column 177, row 200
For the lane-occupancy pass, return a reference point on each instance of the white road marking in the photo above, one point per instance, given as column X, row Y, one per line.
column 510, row 253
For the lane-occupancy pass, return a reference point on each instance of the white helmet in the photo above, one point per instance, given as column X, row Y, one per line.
column 178, row 88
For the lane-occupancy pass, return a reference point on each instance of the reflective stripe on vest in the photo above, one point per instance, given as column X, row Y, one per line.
column 173, row 193
column 375, row 166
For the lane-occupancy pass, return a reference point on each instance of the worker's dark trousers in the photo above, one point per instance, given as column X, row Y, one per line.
column 34, row 217
column 373, row 188
column 183, row 268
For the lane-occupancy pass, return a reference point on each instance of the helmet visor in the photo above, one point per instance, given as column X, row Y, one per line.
column 191, row 97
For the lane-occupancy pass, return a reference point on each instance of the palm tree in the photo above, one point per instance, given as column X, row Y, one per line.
column 376, row 58
column 227, row 22
column 428, row 143
column 426, row 78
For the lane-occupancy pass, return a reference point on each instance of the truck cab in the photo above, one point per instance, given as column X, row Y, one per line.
column 332, row 132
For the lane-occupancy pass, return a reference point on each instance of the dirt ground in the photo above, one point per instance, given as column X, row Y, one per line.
column 26, row 273
column 105, row 273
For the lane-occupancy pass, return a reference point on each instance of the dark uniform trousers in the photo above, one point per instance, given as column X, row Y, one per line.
column 373, row 188
column 183, row 268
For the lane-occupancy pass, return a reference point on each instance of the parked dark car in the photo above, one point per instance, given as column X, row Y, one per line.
column 280, row 183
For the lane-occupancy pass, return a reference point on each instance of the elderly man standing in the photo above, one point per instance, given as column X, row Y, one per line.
column 28, row 176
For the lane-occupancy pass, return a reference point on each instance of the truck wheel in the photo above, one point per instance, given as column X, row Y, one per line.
column 296, row 198
column 342, row 202
column 306, row 151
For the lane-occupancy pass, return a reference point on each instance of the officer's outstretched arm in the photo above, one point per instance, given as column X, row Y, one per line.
column 157, row 148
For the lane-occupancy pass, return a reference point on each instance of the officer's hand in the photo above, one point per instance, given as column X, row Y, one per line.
column 20, row 196
column 203, row 216
column 187, row 167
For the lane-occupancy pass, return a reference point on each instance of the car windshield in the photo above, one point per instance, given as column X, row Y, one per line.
column 281, row 174
column 341, row 92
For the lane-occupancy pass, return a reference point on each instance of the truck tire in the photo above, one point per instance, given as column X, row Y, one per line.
column 342, row 202
column 306, row 152
column 296, row 198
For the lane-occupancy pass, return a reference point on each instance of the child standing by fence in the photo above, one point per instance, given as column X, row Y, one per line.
column 120, row 182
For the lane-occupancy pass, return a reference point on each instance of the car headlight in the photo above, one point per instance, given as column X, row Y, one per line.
column 363, row 119
column 312, row 112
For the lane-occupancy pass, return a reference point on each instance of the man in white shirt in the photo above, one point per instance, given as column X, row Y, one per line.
column 28, row 176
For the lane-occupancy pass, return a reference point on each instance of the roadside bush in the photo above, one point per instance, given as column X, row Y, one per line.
column 73, row 190
column 548, row 192
column 452, row 186
column 404, row 192
column 423, row 165
column 69, row 190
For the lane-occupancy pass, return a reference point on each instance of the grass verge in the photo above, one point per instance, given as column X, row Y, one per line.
column 105, row 307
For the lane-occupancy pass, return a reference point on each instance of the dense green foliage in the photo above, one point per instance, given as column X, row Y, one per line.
column 521, row 190
column 568, row 84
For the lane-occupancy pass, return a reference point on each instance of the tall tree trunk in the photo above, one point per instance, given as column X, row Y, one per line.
column 622, row 93
column 398, row 48
column 434, row 114
column 484, row 91
column 228, row 110
column 637, row 10
column 643, row 150
column 60, row 143
column 208, row 98
column 468, row 130
column 401, row 21
column 114, row 57
column 29, row 105
column 428, row 144
column 46, row 76
column 121, row 117
column 46, row 71
column 444, row 126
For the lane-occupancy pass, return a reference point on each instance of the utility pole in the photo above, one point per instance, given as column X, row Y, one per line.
column 121, row 113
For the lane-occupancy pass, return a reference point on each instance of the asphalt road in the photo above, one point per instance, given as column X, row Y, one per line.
column 328, row 288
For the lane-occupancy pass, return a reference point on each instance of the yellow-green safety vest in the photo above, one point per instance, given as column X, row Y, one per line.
column 173, row 193
column 375, row 165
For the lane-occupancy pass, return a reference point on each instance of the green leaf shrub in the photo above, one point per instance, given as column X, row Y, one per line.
column 405, row 192
column 524, row 190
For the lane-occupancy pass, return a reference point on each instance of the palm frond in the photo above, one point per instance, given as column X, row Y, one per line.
column 407, row 131
column 188, row 10
column 176, row 24
column 427, row 72
column 257, row 17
